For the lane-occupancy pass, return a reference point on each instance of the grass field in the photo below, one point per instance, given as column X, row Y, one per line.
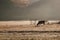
column 30, row 35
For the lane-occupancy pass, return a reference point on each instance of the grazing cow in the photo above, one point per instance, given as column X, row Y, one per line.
column 40, row 22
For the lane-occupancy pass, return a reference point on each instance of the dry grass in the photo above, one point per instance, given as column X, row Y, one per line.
column 52, row 27
column 30, row 36
column 18, row 36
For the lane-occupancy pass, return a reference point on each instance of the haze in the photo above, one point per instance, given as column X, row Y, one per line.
column 36, row 9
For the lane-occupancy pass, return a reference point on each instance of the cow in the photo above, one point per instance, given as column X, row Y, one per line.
column 40, row 22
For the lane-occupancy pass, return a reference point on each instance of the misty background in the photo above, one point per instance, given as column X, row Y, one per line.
column 40, row 9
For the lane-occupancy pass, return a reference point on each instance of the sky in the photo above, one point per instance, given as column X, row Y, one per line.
column 37, row 9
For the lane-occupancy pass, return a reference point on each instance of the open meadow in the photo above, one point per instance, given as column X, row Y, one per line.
column 30, row 32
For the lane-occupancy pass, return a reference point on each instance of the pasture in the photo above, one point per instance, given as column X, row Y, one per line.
column 30, row 32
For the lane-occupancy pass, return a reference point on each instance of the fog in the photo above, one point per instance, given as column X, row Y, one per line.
column 40, row 9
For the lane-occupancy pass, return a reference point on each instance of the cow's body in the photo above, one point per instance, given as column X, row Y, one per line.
column 40, row 22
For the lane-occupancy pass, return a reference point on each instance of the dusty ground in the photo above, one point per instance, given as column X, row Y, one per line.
column 30, row 36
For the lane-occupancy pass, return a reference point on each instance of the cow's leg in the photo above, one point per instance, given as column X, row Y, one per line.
column 37, row 25
column 44, row 23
